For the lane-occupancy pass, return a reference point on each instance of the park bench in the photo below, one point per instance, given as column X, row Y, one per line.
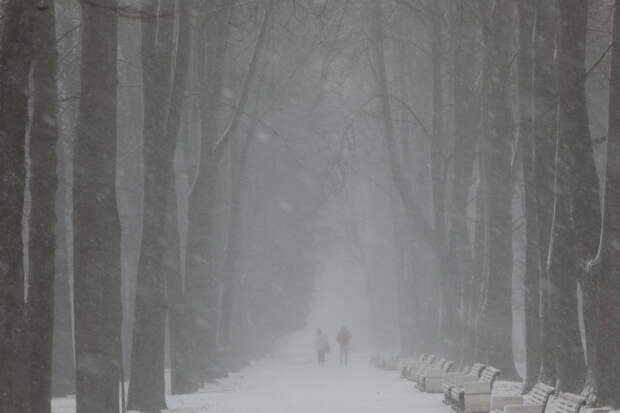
column 565, row 403
column 535, row 401
column 423, row 379
column 412, row 365
column 448, row 380
column 437, row 365
column 473, row 396
column 405, row 362
column 411, row 369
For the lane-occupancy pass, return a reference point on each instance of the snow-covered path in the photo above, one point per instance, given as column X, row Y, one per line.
column 295, row 384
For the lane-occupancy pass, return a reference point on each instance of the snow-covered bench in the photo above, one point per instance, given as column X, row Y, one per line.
column 436, row 366
column 410, row 365
column 565, row 403
column 450, row 380
column 406, row 362
column 533, row 402
column 411, row 369
column 425, row 382
column 473, row 396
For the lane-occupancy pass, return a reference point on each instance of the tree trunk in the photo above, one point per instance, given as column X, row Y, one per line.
column 450, row 283
column 15, row 78
column 200, row 286
column 63, row 365
column 165, row 74
column 526, row 13
column 466, row 130
column 239, row 155
column 566, row 246
column 607, row 270
column 544, row 124
column 496, row 321
column 585, row 199
column 43, row 184
column 97, row 227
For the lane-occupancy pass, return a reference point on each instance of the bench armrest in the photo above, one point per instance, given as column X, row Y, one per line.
column 499, row 402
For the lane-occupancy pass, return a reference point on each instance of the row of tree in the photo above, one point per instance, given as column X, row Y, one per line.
column 145, row 225
column 165, row 168
column 503, row 103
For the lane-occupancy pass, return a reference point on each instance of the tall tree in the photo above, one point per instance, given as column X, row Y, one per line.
column 449, row 282
column 526, row 13
column 239, row 152
column 466, row 131
column 566, row 247
column 544, row 93
column 585, row 191
column 96, row 221
column 496, row 318
column 605, row 283
column 165, row 66
column 200, row 285
column 43, row 183
column 15, row 92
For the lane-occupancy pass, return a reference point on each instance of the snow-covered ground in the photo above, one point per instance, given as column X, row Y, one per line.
column 293, row 383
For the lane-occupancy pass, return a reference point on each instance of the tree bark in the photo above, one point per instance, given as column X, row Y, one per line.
column 239, row 155
column 15, row 77
column 567, row 246
column 201, row 293
column 605, row 331
column 165, row 74
column 450, row 283
column 43, row 184
column 97, row 227
column 526, row 13
column 466, row 131
column 496, row 320
column 544, row 123
column 585, row 198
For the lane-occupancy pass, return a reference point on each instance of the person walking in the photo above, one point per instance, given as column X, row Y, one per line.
column 344, row 341
column 321, row 346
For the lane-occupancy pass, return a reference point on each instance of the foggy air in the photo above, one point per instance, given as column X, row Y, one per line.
column 309, row 206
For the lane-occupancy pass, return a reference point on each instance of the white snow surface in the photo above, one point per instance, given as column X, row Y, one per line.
column 294, row 383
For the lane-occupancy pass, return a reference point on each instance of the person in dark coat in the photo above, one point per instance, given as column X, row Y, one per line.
column 344, row 342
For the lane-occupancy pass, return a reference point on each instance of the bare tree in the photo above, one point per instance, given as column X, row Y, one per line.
column 96, row 221
column 526, row 13
column 566, row 244
column 15, row 93
column 466, row 132
column 604, row 286
column 544, row 106
column 43, row 137
column 165, row 44
column 496, row 318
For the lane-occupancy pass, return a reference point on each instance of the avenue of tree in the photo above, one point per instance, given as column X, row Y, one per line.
column 169, row 172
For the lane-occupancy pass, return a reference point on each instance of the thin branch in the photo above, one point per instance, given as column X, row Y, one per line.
column 247, row 83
